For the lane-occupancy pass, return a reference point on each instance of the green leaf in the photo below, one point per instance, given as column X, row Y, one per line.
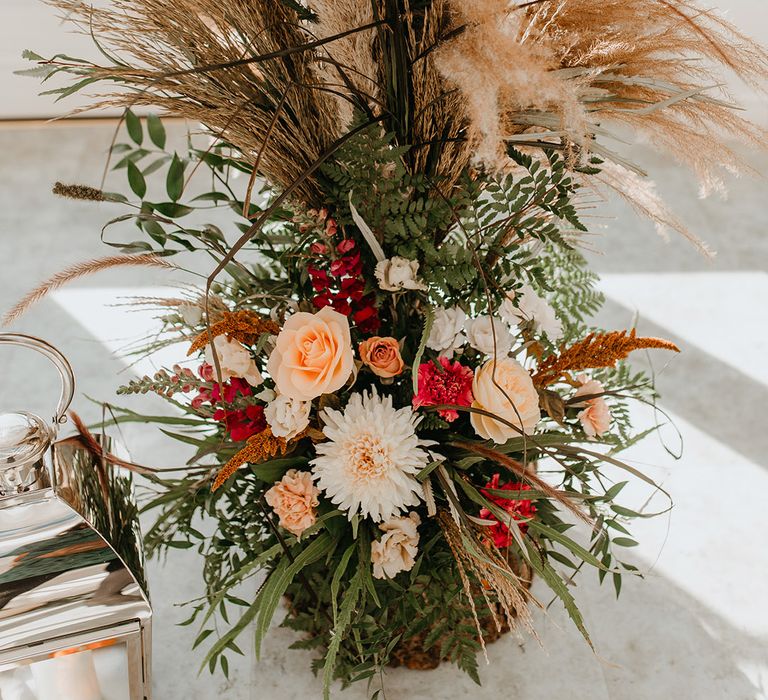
column 136, row 180
column 424, row 473
column 211, row 197
column 31, row 55
column 275, row 469
column 336, row 580
column 429, row 318
column 202, row 637
column 171, row 209
column 348, row 606
column 134, row 156
column 575, row 548
column 624, row 542
column 133, row 125
column 156, row 130
column 612, row 492
column 154, row 231
column 275, row 588
column 263, row 607
column 174, row 181
column 70, row 89
column 155, row 165
column 544, row 569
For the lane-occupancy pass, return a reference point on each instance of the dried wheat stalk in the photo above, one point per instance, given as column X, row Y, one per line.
column 82, row 269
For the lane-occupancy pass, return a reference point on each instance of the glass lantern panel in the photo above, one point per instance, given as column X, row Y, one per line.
column 97, row 671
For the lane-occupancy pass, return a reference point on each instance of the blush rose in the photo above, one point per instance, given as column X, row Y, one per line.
column 595, row 417
column 313, row 355
column 514, row 399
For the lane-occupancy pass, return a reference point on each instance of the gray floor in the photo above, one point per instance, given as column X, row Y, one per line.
column 696, row 627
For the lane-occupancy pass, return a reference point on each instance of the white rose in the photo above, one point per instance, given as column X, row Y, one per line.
column 396, row 274
column 396, row 550
column 447, row 333
column 531, row 307
column 191, row 314
column 287, row 417
column 234, row 360
column 266, row 395
column 480, row 335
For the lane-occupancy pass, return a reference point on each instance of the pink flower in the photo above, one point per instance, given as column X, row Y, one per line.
column 242, row 423
column 596, row 415
column 294, row 499
column 451, row 383
column 318, row 248
column 519, row 509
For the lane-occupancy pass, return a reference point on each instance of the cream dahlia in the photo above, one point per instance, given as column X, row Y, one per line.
column 369, row 462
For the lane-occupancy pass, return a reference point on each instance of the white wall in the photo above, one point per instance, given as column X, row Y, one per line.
column 30, row 24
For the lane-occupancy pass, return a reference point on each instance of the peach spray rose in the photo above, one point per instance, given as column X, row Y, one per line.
column 382, row 355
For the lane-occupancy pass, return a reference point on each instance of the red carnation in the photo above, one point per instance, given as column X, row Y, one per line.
column 518, row 509
column 451, row 383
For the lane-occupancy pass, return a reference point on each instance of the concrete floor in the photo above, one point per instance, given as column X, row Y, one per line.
column 696, row 627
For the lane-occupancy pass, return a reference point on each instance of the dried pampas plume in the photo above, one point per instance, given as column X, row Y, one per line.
column 561, row 72
column 455, row 81
column 82, row 269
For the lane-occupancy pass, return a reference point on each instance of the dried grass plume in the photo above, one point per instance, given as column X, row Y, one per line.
column 78, row 270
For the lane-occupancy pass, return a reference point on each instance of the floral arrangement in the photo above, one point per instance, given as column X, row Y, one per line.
column 399, row 409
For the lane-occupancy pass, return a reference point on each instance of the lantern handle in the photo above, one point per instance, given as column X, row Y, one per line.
column 59, row 361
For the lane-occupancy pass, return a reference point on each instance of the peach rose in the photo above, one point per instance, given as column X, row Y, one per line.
column 382, row 355
column 596, row 416
column 517, row 402
column 294, row 499
column 313, row 355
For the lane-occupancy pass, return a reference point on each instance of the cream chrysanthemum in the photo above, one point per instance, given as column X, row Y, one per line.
column 369, row 463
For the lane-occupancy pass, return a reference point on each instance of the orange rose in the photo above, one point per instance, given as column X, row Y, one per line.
column 313, row 355
column 517, row 401
column 382, row 355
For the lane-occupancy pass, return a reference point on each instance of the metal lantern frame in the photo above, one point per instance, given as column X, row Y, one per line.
column 71, row 559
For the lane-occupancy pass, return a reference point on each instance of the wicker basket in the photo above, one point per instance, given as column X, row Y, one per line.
column 411, row 653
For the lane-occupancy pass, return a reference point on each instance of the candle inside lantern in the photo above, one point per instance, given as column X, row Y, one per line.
column 67, row 677
column 95, row 672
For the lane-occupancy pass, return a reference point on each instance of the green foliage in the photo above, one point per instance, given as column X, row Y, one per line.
column 407, row 211
column 563, row 276
column 474, row 245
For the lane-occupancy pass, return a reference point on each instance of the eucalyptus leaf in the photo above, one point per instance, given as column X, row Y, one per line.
column 156, row 130
column 134, row 128
column 136, row 180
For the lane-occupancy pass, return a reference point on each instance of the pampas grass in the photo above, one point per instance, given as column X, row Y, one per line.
column 576, row 68
column 456, row 81
column 168, row 50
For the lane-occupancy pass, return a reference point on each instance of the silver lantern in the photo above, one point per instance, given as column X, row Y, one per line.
column 74, row 609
